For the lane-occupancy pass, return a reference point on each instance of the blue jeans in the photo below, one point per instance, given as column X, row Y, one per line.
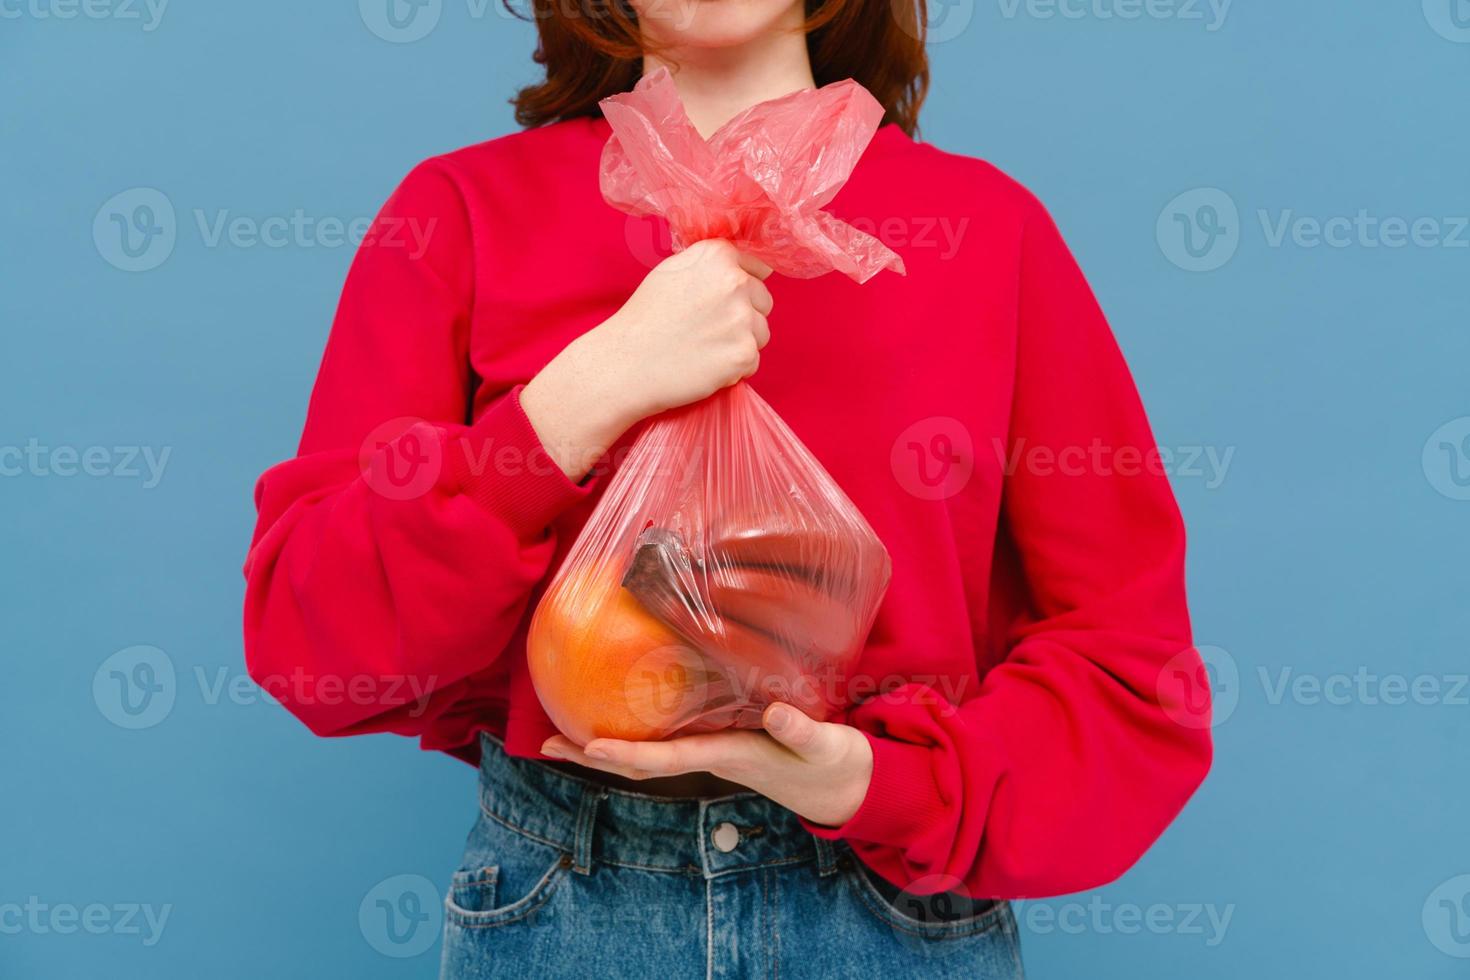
column 565, row 878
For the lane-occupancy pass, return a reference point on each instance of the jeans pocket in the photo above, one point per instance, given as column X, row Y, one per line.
column 472, row 892
column 941, row 916
column 475, row 899
column 506, row 876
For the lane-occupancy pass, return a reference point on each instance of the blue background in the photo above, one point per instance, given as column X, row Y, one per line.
column 1331, row 546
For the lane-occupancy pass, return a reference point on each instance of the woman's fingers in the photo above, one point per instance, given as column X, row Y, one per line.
column 566, row 750
column 692, row 753
column 761, row 333
column 560, row 747
column 754, row 266
column 724, row 753
column 814, row 741
column 791, row 728
column 760, row 297
column 819, row 770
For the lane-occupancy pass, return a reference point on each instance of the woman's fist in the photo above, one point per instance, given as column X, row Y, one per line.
column 695, row 324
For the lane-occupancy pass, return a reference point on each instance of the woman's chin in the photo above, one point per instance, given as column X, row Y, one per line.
column 707, row 25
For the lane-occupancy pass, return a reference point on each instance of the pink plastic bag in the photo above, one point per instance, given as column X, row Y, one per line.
column 723, row 569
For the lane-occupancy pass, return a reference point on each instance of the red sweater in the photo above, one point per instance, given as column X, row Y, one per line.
column 1029, row 731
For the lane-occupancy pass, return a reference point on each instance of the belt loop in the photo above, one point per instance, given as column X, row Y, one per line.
column 826, row 857
column 586, row 826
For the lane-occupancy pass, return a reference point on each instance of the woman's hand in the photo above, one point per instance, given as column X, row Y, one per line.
column 695, row 324
column 818, row 770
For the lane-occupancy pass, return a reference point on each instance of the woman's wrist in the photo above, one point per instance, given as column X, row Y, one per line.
column 579, row 405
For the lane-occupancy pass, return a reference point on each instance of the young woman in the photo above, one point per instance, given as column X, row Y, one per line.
column 1023, row 730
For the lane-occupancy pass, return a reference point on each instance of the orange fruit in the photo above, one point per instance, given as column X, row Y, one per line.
column 604, row 667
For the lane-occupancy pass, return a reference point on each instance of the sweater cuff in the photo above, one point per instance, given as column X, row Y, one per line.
column 503, row 466
column 902, row 799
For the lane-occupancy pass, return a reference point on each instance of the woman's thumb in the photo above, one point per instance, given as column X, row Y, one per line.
column 796, row 731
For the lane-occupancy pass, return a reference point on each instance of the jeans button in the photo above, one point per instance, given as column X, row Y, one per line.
column 725, row 837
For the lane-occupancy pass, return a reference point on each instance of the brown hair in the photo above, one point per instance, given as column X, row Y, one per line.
column 592, row 49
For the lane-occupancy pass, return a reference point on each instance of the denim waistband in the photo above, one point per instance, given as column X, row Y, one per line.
column 592, row 823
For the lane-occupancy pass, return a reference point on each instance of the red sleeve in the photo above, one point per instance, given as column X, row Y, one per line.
column 1068, row 763
column 395, row 555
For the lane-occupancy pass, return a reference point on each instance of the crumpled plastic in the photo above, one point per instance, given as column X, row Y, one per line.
column 723, row 569
column 760, row 181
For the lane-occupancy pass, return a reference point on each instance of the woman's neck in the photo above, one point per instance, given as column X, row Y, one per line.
column 716, row 84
